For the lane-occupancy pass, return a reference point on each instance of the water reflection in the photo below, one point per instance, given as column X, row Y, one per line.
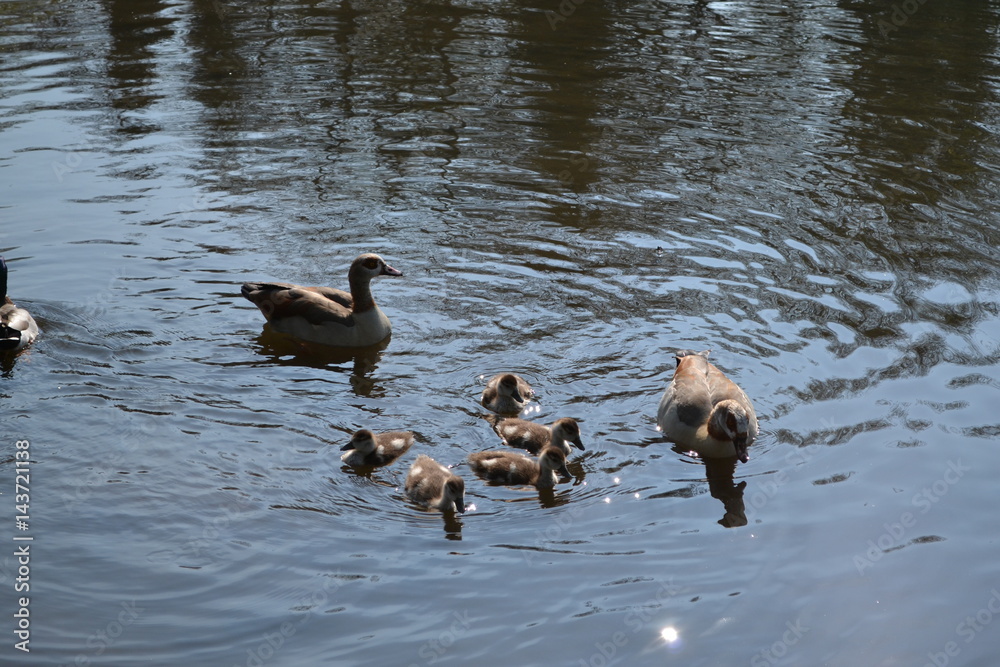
column 136, row 28
column 284, row 350
column 721, row 486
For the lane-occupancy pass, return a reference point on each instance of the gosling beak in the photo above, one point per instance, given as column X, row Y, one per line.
column 349, row 445
column 579, row 445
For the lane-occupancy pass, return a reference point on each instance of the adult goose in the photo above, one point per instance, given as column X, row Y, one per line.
column 506, row 467
column 370, row 449
column 524, row 434
column 705, row 411
column 324, row 314
column 433, row 485
column 506, row 394
column 17, row 327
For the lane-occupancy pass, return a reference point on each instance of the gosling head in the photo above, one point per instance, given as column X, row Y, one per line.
column 569, row 431
column 507, row 385
column 553, row 460
column 454, row 493
column 363, row 441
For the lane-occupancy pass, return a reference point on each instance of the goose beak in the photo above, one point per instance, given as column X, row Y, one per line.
column 740, row 443
column 349, row 445
column 516, row 395
column 578, row 443
column 389, row 271
column 460, row 506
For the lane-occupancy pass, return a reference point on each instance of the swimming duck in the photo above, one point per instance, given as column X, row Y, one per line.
column 506, row 394
column 509, row 467
column 324, row 314
column 368, row 449
column 17, row 327
column 431, row 484
column 524, row 434
column 704, row 410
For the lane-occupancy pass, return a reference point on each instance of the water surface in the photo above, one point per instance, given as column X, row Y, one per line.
column 571, row 196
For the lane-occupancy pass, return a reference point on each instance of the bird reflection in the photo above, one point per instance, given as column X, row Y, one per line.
column 287, row 351
column 720, row 474
column 452, row 526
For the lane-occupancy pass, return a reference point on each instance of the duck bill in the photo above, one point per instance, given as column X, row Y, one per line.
column 389, row 271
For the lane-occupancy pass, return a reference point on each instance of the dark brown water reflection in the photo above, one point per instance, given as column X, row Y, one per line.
column 572, row 191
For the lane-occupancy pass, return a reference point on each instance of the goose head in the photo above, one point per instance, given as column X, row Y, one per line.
column 730, row 421
column 369, row 265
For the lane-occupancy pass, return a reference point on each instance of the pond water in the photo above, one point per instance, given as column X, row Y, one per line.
column 573, row 192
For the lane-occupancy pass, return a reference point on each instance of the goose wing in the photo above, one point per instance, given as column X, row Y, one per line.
column 317, row 305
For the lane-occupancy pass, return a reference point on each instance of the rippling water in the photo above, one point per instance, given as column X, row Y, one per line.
column 573, row 191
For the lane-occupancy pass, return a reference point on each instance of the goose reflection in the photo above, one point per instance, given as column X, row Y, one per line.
column 284, row 350
column 721, row 486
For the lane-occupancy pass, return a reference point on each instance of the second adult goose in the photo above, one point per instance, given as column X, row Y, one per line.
column 705, row 411
column 508, row 467
column 17, row 327
column 524, row 434
column 324, row 314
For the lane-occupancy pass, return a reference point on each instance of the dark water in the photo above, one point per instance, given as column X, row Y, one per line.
column 573, row 192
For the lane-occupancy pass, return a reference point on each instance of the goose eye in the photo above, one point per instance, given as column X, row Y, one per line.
column 371, row 263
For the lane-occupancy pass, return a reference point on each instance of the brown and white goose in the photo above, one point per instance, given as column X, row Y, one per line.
column 508, row 467
column 369, row 449
column 433, row 485
column 705, row 411
column 506, row 394
column 324, row 314
column 524, row 434
column 18, row 329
